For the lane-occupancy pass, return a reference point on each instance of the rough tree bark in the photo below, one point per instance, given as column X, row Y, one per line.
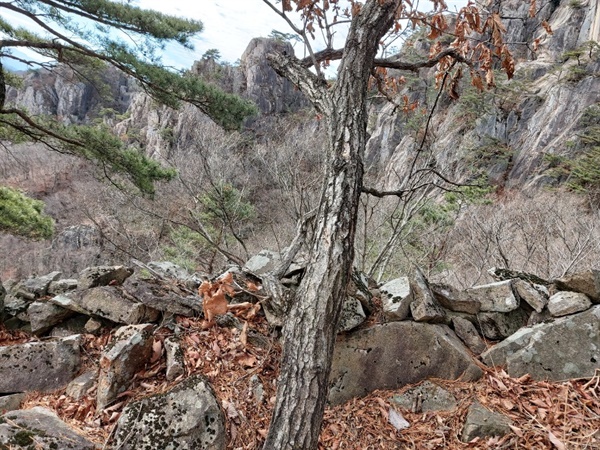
column 310, row 327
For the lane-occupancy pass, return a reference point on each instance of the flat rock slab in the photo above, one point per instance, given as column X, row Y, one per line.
column 568, row 347
column 158, row 297
column 103, row 276
column 467, row 333
column 186, row 418
column 39, row 428
column 395, row 354
column 39, row 366
column 129, row 351
column 44, row 315
column 564, row 303
column 107, row 302
column 455, row 300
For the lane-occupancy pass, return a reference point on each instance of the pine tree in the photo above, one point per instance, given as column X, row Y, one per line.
column 87, row 36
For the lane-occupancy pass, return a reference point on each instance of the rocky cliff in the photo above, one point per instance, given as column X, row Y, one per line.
column 509, row 132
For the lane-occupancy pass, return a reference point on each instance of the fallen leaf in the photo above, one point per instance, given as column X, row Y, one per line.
column 555, row 441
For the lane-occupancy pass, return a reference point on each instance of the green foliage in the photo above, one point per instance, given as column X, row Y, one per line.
column 284, row 37
column 225, row 204
column 212, row 53
column 23, row 215
column 487, row 154
column 185, row 248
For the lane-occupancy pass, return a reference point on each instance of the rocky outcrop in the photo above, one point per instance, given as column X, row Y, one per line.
column 566, row 348
column 397, row 354
column 187, row 417
column 39, row 366
column 39, row 428
column 72, row 97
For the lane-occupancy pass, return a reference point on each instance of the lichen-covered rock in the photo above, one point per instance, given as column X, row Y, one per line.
column 482, row 423
column 129, row 351
column 396, row 298
column 395, row 354
column 427, row 396
column 188, row 417
column 103, row 276
column 568, row 347
column 39, row 428
column 62, row 286
column 564, row 303
column 175, row 362
column 586, row 282
column 352, row 315
column 107, row 302
column 497, row 325
column 35, row 287
column 495, row 297
column 423, row 306
column 39, row 366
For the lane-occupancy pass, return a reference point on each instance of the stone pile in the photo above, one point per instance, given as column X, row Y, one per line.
column 549, row 329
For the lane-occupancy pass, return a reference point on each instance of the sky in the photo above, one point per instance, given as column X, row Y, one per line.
column 229, row 25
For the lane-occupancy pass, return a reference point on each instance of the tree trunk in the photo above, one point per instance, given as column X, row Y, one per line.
column 310, row 328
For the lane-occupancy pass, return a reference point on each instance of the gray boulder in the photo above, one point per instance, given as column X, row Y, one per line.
column 396, row 298
column 62, row 286
column 427, row 396
column 265, row 262
column 568, row 347
column 497, row 325
column 395, row 354
column 587, row 282
column 482, row 423
column 564, row 303
column 79, row 387
column 44, row 315
column 39, row 366
column 495, row 297
column 35, row 287
column 107, row 302
column 455, row 300
column 103, row 276
column 130, row 350
column 467, row 333
column 423, row 306
column 188, row 417
column 39, row 428
column 11, row 402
